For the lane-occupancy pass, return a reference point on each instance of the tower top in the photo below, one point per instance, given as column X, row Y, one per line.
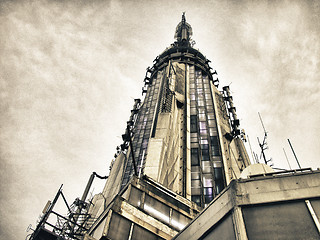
column 183, row 32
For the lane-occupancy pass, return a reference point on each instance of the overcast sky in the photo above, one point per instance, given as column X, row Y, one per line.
column 69, row 71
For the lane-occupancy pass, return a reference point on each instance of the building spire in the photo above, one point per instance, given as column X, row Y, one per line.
column 183, row 32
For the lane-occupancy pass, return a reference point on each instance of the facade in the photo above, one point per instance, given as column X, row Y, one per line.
column 143, row 209
column 282, row 205
column 184, row 137
column 185, row 134
column 177, row 172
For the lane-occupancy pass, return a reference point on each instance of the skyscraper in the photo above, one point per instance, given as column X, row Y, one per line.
column 185, row 133
column 182, row 146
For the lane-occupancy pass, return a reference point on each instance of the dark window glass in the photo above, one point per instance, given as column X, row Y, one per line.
column 219, row 186
column 194, row 157
column 119, row 227
column 208, row 199
column 215, row 146
column 196, row 199
column 208, row 191
column 205, row 146
column 218, row 173
column 280, row 217
column 141, row 233
column 205, row 158
column 193, row 123
column 224, row 230
column 135, row 196
column 205, row 152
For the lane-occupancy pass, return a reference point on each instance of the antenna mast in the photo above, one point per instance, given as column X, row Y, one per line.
column 287, row 158
column 253, row 157
column 263, row 145
column 294, row 153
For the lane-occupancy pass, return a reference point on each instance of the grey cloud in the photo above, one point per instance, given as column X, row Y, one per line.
column 70, row 68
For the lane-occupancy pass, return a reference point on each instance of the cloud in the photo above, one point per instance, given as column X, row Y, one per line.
column 69, row 71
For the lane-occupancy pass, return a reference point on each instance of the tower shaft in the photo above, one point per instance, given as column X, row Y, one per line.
column 183, row 134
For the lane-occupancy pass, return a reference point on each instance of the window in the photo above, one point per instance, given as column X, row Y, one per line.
column 200, row 103
column 193, row 110
column 156, row 209
column 206, row 167
column 208, row 194
column 119, row 227
column 195, row 175
column 196, row 199
column 202, row 125
column 208, row 96
column 178, row 220
column 194, row 139
column 219, row 186
column 215, row 146
column 195, row 184
column 212, row 123
column 218, row 173
column 194, row 157
column 207, row 180
column 205, row 152
column 203, row 131
column 135, row 196
column 141, row 233
column 202, row 117
column 199, row 90
column 193, row 123
column 204, row 141
column 204, row 146
column 212, row 131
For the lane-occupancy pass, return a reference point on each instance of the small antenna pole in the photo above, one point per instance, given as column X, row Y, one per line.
column 294, row 153
column 287, row 158
column 262, row 149
column 262, row 124
column 256, row 157
column 263, row 145
column 253, row 159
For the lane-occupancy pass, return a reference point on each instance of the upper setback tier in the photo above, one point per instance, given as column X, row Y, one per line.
column 182, row 54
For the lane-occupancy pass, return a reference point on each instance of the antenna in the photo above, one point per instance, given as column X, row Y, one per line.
column 256, row 157
column 253, row 158
column 287, row 158
column 263, row 145
column 262, row 124
column 294, row 153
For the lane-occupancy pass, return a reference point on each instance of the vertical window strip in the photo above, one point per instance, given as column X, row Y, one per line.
column 141, row 137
